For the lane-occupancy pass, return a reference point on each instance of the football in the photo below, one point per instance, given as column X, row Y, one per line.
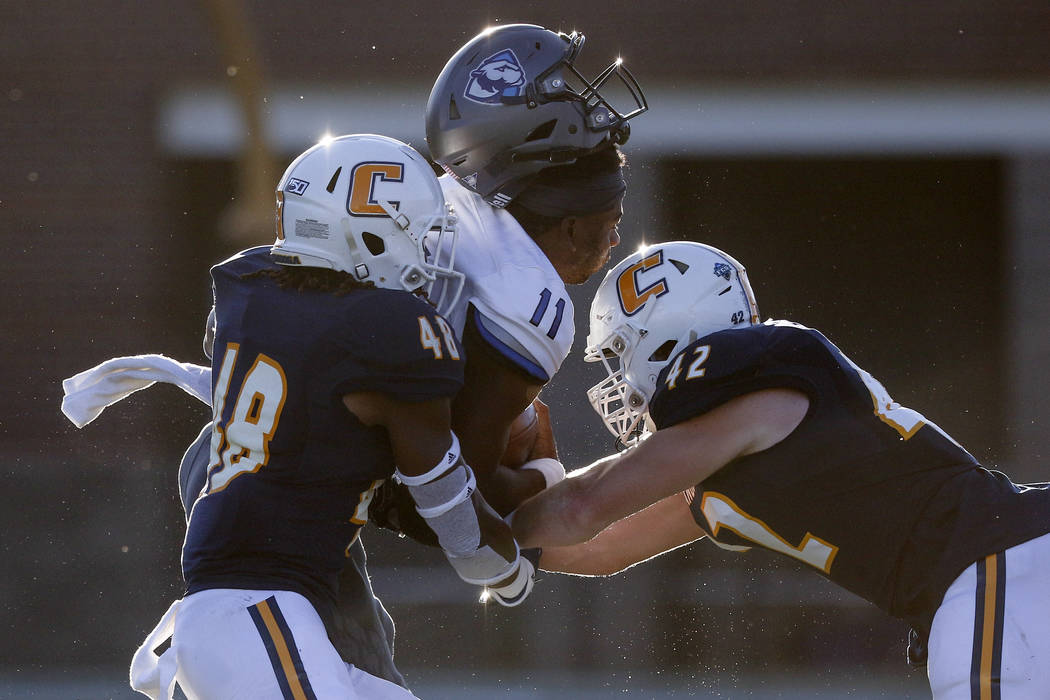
column 523, row 432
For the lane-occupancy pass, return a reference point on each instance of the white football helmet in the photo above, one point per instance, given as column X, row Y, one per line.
column 370, row 206
column 647, row 309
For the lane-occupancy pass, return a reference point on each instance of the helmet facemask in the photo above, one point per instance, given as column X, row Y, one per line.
column 438, row 247
column 623, row 406
column 430, row 271
column 564, row 81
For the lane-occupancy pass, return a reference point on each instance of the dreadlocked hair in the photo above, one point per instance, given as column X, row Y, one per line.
column 310, row 279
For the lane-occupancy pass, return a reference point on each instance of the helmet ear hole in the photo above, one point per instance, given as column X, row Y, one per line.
column 542, row 131
column 374, row 243
column 663, row 353
column 334, row 180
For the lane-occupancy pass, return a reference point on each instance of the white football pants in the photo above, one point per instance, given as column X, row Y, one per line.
column 230, row 644
column 991, row 635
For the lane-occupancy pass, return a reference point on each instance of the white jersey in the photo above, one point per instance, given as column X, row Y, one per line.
column 522, row 307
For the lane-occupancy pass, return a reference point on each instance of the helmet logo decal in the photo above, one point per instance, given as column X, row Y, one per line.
column 499, row 75
column 723, row 270
column 361, row 200
column 632, row 296
column 296, row 186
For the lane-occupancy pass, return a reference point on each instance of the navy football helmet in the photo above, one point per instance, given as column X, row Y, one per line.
column 511, row 103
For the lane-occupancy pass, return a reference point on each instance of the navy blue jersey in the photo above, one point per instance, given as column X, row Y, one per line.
column 291, row 470
column 869, row 493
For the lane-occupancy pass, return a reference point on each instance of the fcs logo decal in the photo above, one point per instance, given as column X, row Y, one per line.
column 497, row 76
column 723, row 270
column 633, row 298
column 361, row 201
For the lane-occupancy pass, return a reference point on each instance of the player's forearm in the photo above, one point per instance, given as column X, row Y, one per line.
column 554, row 517
column 590, row 558
column 484, row 439
column 662, row 526
column 509, row 487
column 568, row 512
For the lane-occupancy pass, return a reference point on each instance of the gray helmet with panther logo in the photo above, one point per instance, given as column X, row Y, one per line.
column 511, row 103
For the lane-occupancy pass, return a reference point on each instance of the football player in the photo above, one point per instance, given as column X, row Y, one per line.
column 766, row 434
column 534, row 176
column 331, row 374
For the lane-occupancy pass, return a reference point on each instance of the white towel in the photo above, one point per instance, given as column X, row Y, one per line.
column 87, row 394
column 151, row 674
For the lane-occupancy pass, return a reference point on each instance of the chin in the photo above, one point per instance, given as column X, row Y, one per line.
column 597, row 267
column 580, row 276
column 585, row 270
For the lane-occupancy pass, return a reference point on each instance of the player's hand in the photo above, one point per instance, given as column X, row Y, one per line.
column 543, row 457
column 392, row 508
column 544, row 445
column 513, row 590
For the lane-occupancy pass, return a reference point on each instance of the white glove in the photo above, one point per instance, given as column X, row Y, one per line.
column 513, row 593
column 552, row 469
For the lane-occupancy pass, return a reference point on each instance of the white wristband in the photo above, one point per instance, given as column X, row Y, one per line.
column 552, row 469
column 517, row 590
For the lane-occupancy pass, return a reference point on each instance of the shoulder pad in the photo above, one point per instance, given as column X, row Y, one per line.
column 727, row 364
column 398, row 344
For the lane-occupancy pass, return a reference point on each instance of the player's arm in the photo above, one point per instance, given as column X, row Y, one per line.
column 667, row 463
column 493, row 395
column 663, row 526
column 476, row 541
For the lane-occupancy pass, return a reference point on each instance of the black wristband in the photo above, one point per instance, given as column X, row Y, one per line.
column 533, row 555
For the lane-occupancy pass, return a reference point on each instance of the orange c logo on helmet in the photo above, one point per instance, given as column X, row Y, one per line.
column 631, row 297
column 361, row 201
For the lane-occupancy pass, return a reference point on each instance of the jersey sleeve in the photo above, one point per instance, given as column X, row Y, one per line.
column 398, row 345
column 724, row 365
column 527, row 317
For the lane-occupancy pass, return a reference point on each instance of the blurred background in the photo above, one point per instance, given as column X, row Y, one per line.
column 882, row 169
